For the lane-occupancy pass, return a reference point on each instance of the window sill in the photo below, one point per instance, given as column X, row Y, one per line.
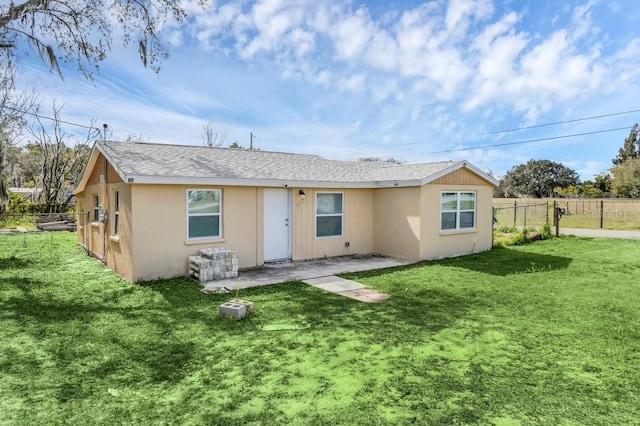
column 458, row 231
column 114, row 238
column 329, row 236
column 204, row 241
column 95, row 224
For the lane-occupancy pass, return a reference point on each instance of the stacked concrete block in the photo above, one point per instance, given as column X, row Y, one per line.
column 213, row 264
column 236, row 308
column 233, row 310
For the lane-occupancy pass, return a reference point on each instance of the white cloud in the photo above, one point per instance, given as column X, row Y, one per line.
column 272, row 21
column 388, row 89
column 530, row 74
column 587, row 169
column 459, row 12
column 382, row 52
column 457, row 50
column 351, row 33
column 582, row 20
column 353, row 83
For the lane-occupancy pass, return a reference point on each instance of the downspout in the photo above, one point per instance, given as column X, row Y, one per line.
column 85, row 235
column 256, row 224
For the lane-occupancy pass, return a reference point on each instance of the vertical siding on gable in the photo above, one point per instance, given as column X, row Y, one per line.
column 460, row 177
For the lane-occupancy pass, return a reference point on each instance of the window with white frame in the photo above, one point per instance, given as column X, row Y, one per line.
column 204, row 217
column 458, row 211
column 329, row 214
column 116, row 212
column 96, row 208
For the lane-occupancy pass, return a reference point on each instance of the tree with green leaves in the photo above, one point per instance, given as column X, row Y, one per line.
column 626, row 169
column 538, row 178
column 626, row 178
column 589, row 190
column 631, row 147
column 60, row 164
column 603, row 182
column 389, row 160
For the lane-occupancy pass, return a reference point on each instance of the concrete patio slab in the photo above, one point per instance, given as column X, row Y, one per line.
column 291, row 271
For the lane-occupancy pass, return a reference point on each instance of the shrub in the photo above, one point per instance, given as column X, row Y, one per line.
column 506, row 229
column 515, row 237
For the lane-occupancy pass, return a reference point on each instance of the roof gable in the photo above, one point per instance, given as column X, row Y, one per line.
column 462, row 176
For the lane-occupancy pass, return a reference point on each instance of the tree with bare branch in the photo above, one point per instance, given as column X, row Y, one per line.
column 82, row 31
column 213, row 135
column 14, row 105
column 136, row 137
column 61, row 165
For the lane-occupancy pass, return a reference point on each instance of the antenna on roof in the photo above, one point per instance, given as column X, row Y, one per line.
column 251, row 136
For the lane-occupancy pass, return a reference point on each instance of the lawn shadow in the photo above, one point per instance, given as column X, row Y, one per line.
column 431, row 309
column 500, row 261
column 503, row 261
column 159, row 354
column 12, row 262
column 23, row 284
column 178, row 292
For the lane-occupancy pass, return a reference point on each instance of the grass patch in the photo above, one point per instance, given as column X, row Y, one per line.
column 545, row 333
column 26, row 222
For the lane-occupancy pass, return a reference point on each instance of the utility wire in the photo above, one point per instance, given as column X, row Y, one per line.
column 35, row 114
column 527, row 141
column 560, row 122
column 515, row 130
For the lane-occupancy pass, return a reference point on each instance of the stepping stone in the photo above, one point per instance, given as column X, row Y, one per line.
column 347, row 288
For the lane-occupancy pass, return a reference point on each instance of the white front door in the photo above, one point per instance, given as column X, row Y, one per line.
column 277, row 224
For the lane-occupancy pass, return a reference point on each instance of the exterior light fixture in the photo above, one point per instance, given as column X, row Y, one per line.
column 302, row 195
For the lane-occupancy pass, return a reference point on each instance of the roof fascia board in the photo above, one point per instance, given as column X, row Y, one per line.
column 161, row 180
column 91, row 164
column 483, row 175
column 115, row 166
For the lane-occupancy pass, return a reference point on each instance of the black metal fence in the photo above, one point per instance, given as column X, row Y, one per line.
column 522, row 214
column 608, row 213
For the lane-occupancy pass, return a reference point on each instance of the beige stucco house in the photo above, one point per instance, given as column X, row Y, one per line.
column 147, row 207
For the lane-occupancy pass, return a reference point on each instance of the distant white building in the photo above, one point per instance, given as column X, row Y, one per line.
column 30, row 194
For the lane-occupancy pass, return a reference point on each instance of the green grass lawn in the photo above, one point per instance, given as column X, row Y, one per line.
column 542, row 334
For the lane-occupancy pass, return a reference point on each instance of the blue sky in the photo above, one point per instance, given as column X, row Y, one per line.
column 401, row 79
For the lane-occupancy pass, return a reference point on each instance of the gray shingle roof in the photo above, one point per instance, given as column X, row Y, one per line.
column 147, row 162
